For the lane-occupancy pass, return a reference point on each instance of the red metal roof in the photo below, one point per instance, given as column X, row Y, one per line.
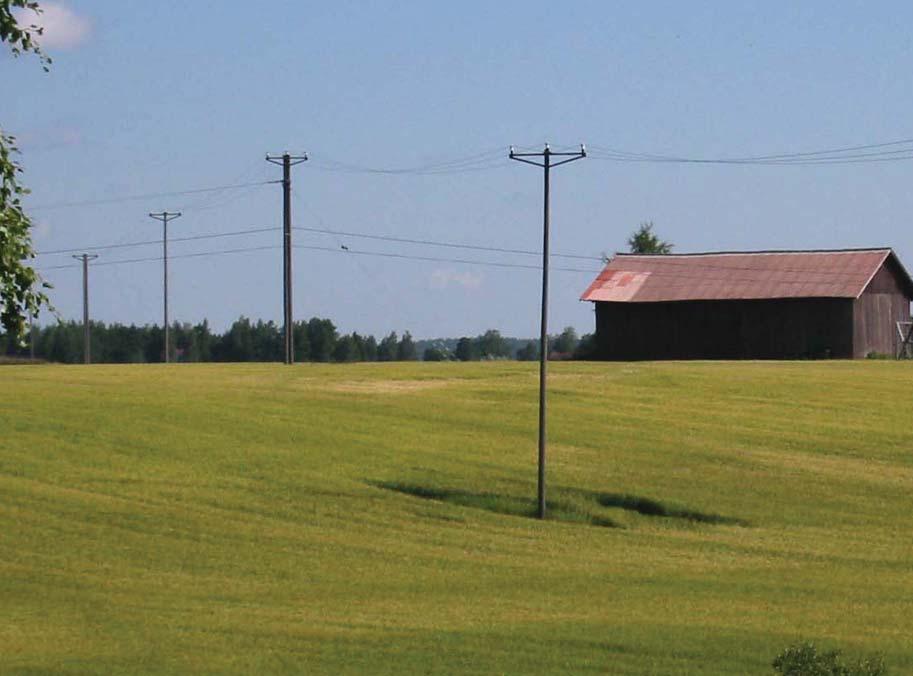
column 640, row 278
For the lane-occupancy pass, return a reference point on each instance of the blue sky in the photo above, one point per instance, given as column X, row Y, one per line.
column 171, row 96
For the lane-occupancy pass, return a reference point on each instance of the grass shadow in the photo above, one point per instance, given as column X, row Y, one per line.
column 651, row 507
column 571, row 505
column 557, row 510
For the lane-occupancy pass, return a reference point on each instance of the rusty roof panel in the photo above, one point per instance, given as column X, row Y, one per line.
column 619, row 286
column 736, row 276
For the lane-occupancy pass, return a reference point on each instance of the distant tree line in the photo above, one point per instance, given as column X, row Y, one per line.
column 316, row 340
column 492, row 345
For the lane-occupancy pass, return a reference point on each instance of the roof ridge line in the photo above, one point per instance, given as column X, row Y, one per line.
column 757, row 252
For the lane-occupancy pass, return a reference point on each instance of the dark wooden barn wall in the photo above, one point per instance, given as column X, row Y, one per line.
column 726, row 329
column 877, row 311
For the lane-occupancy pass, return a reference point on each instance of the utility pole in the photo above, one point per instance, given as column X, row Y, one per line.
column 31, row 338
column 287, row 161
column 164, row 217
column 546, row 163
column 86, row 342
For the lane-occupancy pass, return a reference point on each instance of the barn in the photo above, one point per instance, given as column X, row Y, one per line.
column 751, row 305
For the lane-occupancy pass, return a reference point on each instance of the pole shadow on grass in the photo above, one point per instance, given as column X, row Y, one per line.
column 650, row 507
column 572, row 505
column 511, row 505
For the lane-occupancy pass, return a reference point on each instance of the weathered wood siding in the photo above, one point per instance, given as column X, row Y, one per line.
column 877, row 311
column 726, row 329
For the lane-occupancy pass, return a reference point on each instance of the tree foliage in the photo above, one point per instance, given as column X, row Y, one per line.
column 434, row 354
column 587, row 347
column 21, row 292
column 644, row 241
column 466, row 349
column 247, row 340
column 21, row 38
column 386, row 351
column 244, row 341
column 529, row 352
column 406, row 350
column 491, row 345
column 566, row 342
column 321, row 338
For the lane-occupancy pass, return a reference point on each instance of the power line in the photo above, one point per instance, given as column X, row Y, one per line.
column 832, row 151
column 669, row 261
column 490, row 159
column 451, row 245
column 127, row 245
column 131, row 198
column 435, row 259
column 467, row 261
column 210, row 201
column 841, row 155
column 487, row 166
column 325, row 231
column 215, row 200
column 355, row 252
column 846, row 159
column 201, row 254
column 482, row 160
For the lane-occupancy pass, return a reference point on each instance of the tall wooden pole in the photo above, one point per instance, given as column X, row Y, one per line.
column 546, row 165
column 86, row 333
column 163, row 216
column 287, row 161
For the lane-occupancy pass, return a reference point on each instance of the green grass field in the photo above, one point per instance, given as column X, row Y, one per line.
column 372, row 518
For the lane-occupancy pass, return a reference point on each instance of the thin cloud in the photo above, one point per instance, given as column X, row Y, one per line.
column 41, row 230
column 441, row 279
column 49, row 138
column 63, row 28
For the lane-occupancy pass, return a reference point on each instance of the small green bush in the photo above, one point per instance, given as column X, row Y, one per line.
column 803, row 659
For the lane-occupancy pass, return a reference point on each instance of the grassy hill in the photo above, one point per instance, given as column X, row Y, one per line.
column 370, row 518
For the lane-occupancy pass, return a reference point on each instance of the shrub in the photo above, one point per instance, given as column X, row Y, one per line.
column 803, row 659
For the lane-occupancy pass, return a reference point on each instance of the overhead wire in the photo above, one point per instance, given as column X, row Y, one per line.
column 357, row 252
column 387, row 292
column 327, row 231
column 877, row 152
column 213, row 201
column 668, row 261
column 150, row 259
column 494, row 158
column 127, row 245
column 831, row 151
column 217, row 200
column 133, row 198
column 436, row 259
column 474, row 162
column 439, row 243
column 841, row 155
column 761, row 277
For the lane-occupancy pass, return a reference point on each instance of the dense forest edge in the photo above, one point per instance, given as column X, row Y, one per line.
column 316, row 340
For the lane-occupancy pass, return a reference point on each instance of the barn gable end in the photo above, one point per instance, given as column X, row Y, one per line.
column 887, row 295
